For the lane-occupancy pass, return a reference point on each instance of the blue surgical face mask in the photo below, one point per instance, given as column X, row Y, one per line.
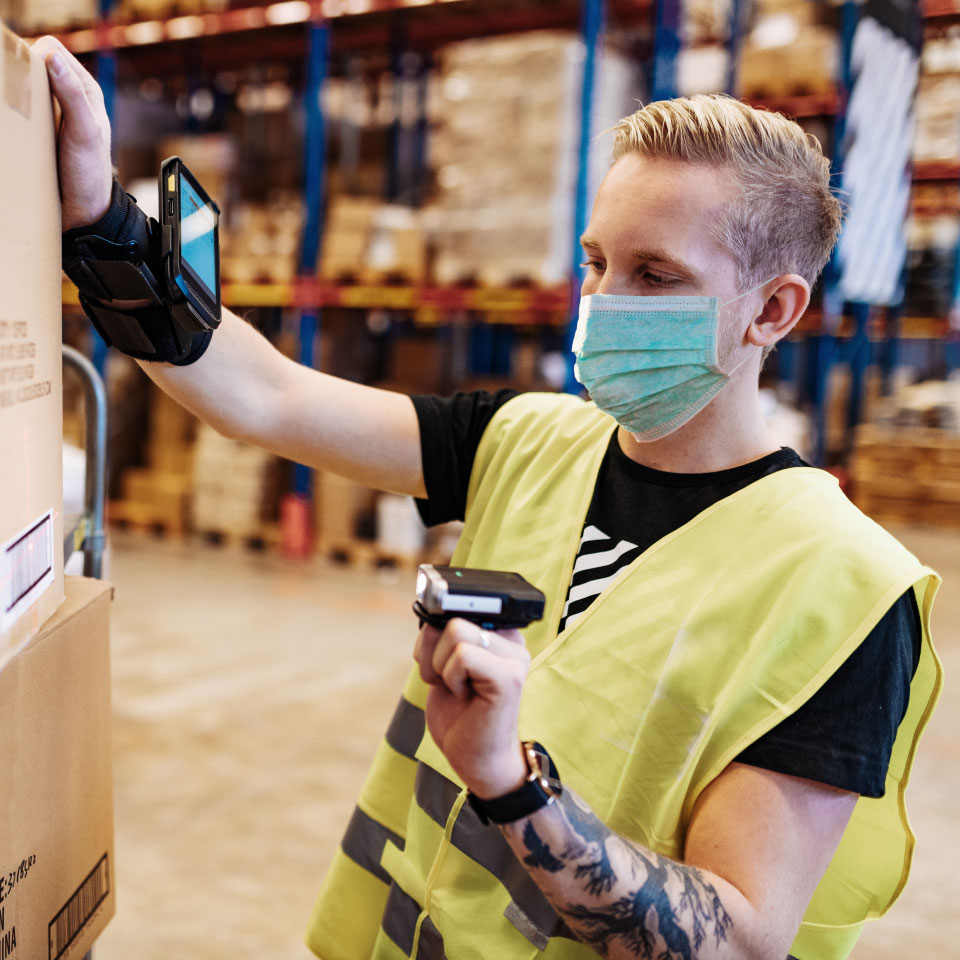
column 650, row 362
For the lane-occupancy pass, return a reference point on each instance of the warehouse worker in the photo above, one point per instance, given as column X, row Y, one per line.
column 702, row 749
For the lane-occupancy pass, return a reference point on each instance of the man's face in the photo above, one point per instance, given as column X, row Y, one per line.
column 650, row 234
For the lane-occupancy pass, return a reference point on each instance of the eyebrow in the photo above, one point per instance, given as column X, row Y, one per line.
column 650, row 255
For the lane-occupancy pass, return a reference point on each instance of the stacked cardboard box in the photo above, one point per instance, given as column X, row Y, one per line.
column 937, row 134
column 211, row 157
column 56, row 842
column 907, row 474
column 32, row 18
column 788, row 53
column 372, row 242
column 505, row 150
column 260, row 242
column 235, row 487
column 158, row 9
column 158, row 495
column 56, row 832
column 343, row 509
column 347, row 231
column 31, row 475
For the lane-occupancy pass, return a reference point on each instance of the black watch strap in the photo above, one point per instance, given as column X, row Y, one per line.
column 541, row 788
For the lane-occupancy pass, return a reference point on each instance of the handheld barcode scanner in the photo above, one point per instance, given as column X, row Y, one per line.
column 489, row 598
column 190, row 225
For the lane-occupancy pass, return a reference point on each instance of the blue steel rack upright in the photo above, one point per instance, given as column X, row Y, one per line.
column 592, row 22
column 314, row 163
column 106, row 65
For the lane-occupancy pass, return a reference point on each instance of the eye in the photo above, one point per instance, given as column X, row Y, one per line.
column 656, row 280
column 596, row 265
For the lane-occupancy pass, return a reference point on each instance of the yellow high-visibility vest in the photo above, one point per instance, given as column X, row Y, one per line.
column 710, row 638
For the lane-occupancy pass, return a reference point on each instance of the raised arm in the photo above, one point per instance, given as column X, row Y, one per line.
column 246, row 389
column 241, row 385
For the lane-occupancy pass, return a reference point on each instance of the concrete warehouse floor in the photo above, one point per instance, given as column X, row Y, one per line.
column 249, row 694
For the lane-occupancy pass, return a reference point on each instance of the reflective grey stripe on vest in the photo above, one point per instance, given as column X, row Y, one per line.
column 530, row 912
column 400, row 918
column 364, row 841
column 430, row 946
column 406, row 728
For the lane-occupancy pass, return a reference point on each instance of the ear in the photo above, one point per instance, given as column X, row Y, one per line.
column 787, row 298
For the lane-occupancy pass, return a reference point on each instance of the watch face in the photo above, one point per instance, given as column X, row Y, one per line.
column 543, row 767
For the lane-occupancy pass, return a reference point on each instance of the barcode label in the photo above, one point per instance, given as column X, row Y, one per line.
column 65, row 926
column 26, row 568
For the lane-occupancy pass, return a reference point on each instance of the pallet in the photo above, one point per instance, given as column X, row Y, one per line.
column 391, row 278
column 366, row 553
column 268, row 538
column 131, row 514
column 909, row 512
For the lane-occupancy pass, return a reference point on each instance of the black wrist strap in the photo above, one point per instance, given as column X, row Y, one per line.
column 149, row 333
column 119, row 258
column 526, row 799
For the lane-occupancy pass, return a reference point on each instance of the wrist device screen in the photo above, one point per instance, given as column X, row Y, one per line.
column 191, row 246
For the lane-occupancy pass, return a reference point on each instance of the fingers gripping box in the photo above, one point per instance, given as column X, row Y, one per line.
column 31, row 429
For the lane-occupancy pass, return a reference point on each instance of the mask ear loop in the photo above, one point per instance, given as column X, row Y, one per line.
column 747, row 293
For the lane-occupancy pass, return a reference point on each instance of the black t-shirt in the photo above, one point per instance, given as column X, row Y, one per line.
column 844, row 734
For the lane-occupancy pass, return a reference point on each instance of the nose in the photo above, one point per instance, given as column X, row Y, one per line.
column 614, row 284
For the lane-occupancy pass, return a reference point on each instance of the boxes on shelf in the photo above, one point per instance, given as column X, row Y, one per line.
column 211, row 157
column 346, row 236
column 171, row 430
column 235, row 486
column 504, row 146
column 32, row 18
column 343, row 509
column 260, row 242
column 158, row 9
column 154, row 498
column 371, row 242
column 775, row 65
column 931, row 254
column 937, row 135
column 907, row 474
column 397, row 250
column 56, row 844
column 31, row 397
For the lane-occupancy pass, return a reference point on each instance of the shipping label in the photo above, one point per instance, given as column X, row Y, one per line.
column 26, row 568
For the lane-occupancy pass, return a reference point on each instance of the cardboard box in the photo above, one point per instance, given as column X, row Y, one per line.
column 341, row 507
column 31, row 427
column 57, row 888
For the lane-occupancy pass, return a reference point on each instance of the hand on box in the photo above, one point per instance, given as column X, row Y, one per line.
column 476, row 679
column 86, row 172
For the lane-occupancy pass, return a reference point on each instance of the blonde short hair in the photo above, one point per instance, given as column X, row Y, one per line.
column 786, row 219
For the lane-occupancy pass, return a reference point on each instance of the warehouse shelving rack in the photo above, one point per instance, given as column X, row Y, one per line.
column 307, row 24
column 307, row 29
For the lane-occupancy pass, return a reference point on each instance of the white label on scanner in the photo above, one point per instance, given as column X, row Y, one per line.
column 26, row 568
column 464, row 603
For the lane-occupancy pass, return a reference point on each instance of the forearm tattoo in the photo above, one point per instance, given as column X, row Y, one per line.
column 647, row 905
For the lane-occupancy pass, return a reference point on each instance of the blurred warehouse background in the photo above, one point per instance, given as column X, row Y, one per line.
column 402, row 182
column 402, row 185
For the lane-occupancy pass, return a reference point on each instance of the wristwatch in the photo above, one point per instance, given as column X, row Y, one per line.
column 541, row 787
